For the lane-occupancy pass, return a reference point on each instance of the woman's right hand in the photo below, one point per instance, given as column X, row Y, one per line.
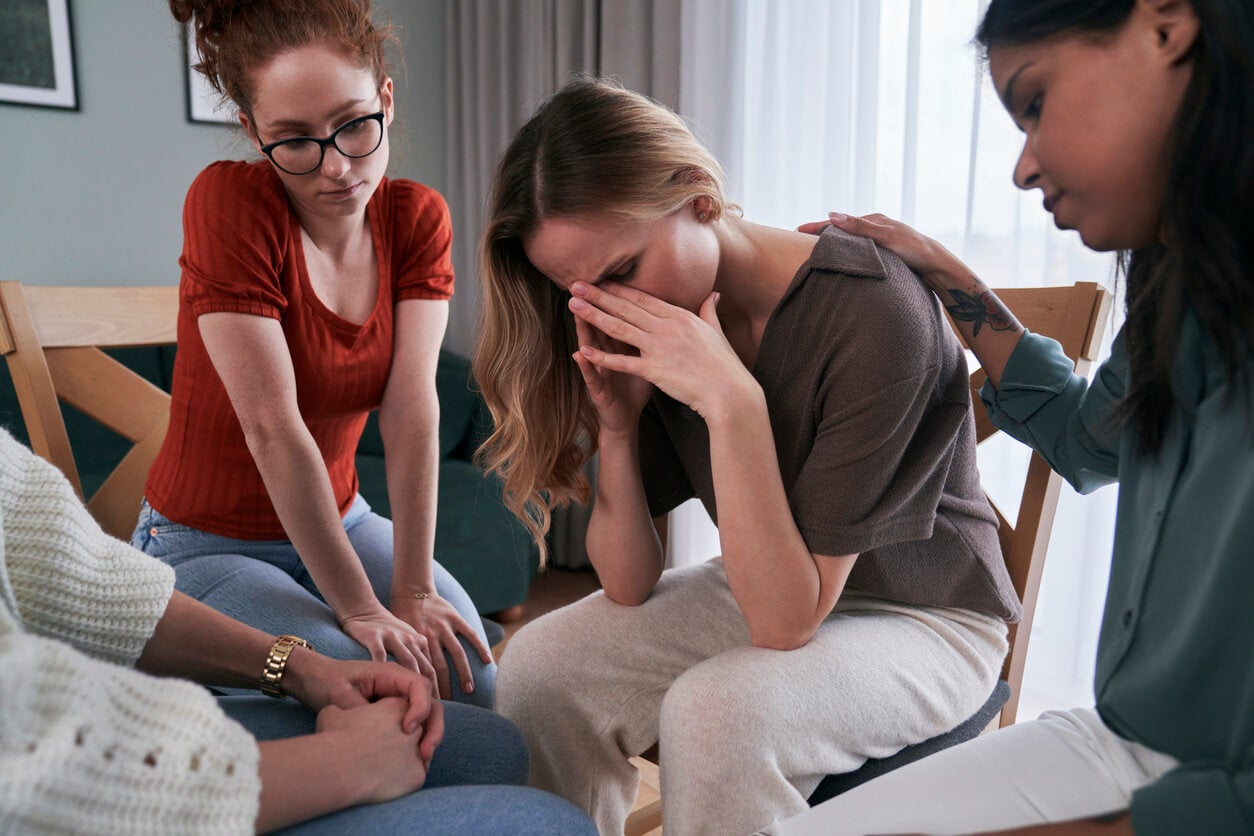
column 371, row 755
column 937, row 266
column 618, row 398
column 382, row 633
column 388, row 759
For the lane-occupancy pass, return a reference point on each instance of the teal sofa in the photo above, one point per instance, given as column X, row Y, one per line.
column 477, row 539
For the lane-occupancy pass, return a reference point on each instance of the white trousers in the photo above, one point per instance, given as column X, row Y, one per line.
column 1065, row 765
column 745, row 733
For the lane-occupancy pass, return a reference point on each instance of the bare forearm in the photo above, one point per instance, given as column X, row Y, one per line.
column 412, row 461
column 772, row 573
column 296, row 479
column 196, row 642
column 302, row 778
column 987, row 325
column 622, row 543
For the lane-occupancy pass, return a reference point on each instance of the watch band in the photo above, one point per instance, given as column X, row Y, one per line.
column 276, row 664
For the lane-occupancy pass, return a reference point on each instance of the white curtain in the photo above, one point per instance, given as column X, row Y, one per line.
column 884, row 106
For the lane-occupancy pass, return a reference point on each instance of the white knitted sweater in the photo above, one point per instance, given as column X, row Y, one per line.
column 87, row 744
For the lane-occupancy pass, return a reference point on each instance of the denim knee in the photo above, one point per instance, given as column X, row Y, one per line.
column 479, row 747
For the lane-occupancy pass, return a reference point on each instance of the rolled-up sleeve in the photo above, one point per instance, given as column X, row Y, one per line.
column 1060, row 414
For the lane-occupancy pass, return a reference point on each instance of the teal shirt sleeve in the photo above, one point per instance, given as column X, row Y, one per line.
column 1058, row 413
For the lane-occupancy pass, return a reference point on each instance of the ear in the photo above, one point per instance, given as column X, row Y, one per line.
column 250, row 130
column 386, row 97
column 702, row 208
column 1175, row 26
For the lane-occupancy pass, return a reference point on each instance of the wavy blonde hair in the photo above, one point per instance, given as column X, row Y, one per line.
column 592, row 150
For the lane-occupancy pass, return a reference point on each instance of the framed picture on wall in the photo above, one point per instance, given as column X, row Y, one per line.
column 37, row 54
column 203, row 102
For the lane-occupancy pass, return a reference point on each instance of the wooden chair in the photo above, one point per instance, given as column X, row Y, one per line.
column 52, row 339
column 1075, row 316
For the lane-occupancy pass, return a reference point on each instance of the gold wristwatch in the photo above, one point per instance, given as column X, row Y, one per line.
column 276, row 663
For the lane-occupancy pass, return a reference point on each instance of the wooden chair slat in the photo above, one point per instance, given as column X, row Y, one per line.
column 115, row 505
column 93, row 382
column 103, row 316
column 51, row 338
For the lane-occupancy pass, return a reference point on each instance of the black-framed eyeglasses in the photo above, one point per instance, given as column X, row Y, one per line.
column 303, row 154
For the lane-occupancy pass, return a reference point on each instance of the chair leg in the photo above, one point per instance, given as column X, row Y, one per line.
column 646, row 817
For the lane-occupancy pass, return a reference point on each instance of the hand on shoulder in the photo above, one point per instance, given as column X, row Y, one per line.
column 937, row 266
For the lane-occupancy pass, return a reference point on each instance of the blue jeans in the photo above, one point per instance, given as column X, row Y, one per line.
column 263, row 583
column 476, row 783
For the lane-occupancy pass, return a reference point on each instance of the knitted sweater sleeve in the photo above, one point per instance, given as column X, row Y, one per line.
column 71, row 581
column 87, row 745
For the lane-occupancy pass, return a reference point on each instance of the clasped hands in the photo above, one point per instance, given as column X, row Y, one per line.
column 631, row 341
column 389, row 704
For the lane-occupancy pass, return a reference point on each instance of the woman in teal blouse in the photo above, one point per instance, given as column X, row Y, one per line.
column 1138, row 116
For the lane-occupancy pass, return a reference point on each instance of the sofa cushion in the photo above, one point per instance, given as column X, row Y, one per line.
column 459, row 403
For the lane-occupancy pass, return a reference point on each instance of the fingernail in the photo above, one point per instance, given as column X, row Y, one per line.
column 717, row 298
column 578, row 304
column 586, row 350
column 579, row 289
column 838, row 217
column 469, row 687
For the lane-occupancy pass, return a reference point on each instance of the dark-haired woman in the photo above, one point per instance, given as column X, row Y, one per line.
column 314, row 290
column 1138, row 116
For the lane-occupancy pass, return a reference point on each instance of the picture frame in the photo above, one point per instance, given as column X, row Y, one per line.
column 37, row 58
column 204, row 105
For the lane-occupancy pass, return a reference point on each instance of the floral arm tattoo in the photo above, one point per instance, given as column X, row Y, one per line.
column 979, row 306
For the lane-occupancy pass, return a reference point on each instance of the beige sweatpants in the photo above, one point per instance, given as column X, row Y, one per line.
column 745, row 733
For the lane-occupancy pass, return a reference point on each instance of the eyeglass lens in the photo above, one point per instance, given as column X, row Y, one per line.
column 358, row 138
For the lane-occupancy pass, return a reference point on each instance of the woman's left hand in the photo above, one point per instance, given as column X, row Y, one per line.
column 440, row 622
column 318, row 681
column 684, row 354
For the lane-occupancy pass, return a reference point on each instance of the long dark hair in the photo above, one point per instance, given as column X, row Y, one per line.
column 1207, row 263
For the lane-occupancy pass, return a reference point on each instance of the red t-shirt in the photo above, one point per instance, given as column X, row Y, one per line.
column 242, row 253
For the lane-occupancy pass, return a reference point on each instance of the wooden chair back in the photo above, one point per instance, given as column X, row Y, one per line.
column 1076, row 316
column 52, row 339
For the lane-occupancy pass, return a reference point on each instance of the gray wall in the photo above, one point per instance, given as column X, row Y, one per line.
column 95, row 196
